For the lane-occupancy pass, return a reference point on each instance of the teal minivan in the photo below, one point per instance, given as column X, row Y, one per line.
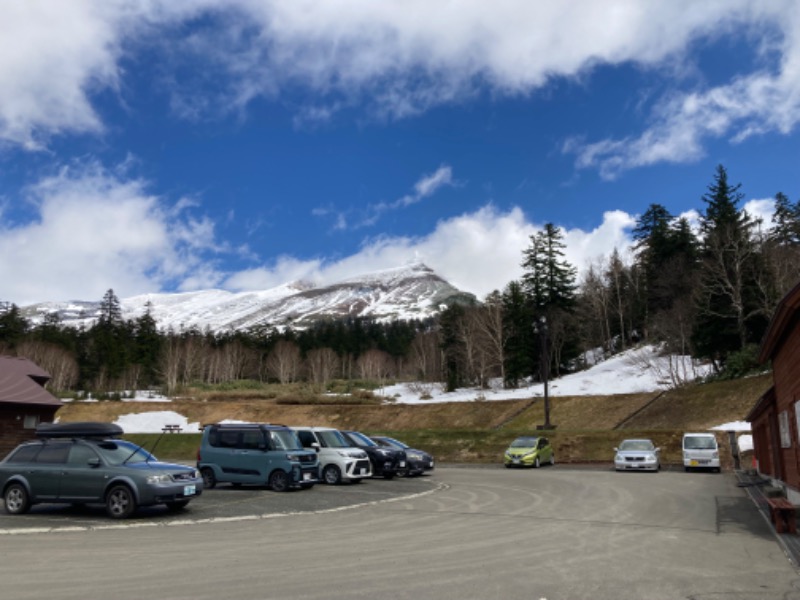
column 257, row 453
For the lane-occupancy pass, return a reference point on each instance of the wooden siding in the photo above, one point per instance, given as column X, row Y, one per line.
column 786, row 374
column 12, row 423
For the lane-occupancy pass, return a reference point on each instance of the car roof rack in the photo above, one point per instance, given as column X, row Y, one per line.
column 84, row 429
column 241, row 425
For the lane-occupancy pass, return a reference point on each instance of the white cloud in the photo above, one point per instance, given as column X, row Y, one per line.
column 95, row 230
column 395, row 57
column 477, row 252
column 52, row 55
column 767, row 100
column 762, row 210
column 426, row 186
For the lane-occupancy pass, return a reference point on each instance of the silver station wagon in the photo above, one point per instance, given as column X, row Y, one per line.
column 84, row 463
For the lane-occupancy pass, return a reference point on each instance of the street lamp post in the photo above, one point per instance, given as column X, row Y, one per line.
column 544, row 368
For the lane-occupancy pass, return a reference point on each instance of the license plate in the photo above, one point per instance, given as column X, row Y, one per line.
column 402, row 463
column 363, row 471
column 516, row 461
column 189, row 490
column 306, row 476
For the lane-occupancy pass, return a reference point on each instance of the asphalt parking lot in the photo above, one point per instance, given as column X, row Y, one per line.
column 224, row 502
column 459, row 533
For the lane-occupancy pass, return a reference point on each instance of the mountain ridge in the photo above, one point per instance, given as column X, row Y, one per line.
column 408, row 292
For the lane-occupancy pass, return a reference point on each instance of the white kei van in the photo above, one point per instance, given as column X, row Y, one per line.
column 700, row 451
column 338, row 460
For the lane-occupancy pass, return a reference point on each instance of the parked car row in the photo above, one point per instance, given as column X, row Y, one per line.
column 700, row 450
column 298, row 457
column 82, row 463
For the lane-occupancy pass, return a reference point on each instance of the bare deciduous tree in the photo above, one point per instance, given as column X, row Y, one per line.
column 426, row 356
column 284, row 362
column 58, row 362
column 321, row 363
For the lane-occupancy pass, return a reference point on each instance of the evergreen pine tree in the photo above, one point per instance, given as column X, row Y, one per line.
column 728, row 315
column 519, row 358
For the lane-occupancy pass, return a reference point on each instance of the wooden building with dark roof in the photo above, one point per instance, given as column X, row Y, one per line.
column 775, row 418
column 24, row 401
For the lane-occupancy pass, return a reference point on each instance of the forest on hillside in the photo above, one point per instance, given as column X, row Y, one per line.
column 707, row 292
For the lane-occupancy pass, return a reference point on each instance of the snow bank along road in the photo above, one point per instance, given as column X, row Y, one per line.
column 464, row 533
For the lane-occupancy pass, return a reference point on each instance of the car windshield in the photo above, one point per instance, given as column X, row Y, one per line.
column 117, row 452
column 700, row 443
column 396, row 443
column 360, row 438
column 524, row 442
column 285, row 440
column 332, row 439
column 636, row 445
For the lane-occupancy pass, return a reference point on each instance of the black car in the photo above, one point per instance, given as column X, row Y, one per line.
column 83, row 463
column 386, row 462
column 417, row 461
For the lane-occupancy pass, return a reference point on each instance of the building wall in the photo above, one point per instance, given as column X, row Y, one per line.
column 786, row 374
column 18, row 422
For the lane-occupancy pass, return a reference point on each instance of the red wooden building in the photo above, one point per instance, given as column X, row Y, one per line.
column 24, row 402
column 775, row 418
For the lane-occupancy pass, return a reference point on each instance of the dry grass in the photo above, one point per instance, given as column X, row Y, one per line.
column 587, row 427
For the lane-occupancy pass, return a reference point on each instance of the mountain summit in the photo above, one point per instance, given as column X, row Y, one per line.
column 408, row 292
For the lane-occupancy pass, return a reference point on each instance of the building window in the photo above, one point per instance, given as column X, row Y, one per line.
column 797, row 418
column 783, row 425
column 31, row 421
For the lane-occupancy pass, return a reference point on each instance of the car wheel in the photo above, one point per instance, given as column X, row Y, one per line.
column 331, row 475
column 279, row 481
column 120, row 503
column 209, row 479
column 16, row 499
column 177, row 505
column 536, row 463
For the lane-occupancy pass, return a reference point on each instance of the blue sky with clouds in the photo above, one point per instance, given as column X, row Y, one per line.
column 168, row 146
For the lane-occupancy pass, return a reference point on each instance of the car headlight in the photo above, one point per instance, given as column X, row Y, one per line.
column 650, row 458
column 162, row 478
column 414, row 455
column 619, row 458
column 294, row 457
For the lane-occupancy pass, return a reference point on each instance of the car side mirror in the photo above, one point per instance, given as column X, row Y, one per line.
column 93, row 462
column 316, row 446
column 616, row 449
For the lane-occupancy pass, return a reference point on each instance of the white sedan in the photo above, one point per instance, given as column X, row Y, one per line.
column 637, row 455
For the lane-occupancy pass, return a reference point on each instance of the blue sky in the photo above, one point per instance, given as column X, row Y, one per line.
column 173, row 146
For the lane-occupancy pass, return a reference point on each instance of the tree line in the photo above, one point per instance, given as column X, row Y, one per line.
column 707, row 293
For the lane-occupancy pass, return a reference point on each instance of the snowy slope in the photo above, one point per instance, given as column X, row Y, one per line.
column 409, row 292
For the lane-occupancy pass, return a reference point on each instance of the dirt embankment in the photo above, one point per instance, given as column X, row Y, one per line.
column 693, row 407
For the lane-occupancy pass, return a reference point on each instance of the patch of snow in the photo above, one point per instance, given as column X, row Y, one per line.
column 745, row 442
column 154, row 422
column 733, row 426
column 633, row 371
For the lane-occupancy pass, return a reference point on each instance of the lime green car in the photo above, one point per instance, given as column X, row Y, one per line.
column 529, row 451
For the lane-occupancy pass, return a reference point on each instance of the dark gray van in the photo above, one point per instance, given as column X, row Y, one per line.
column 261, row 454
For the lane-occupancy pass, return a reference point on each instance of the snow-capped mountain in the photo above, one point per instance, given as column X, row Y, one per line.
column 408, row 292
